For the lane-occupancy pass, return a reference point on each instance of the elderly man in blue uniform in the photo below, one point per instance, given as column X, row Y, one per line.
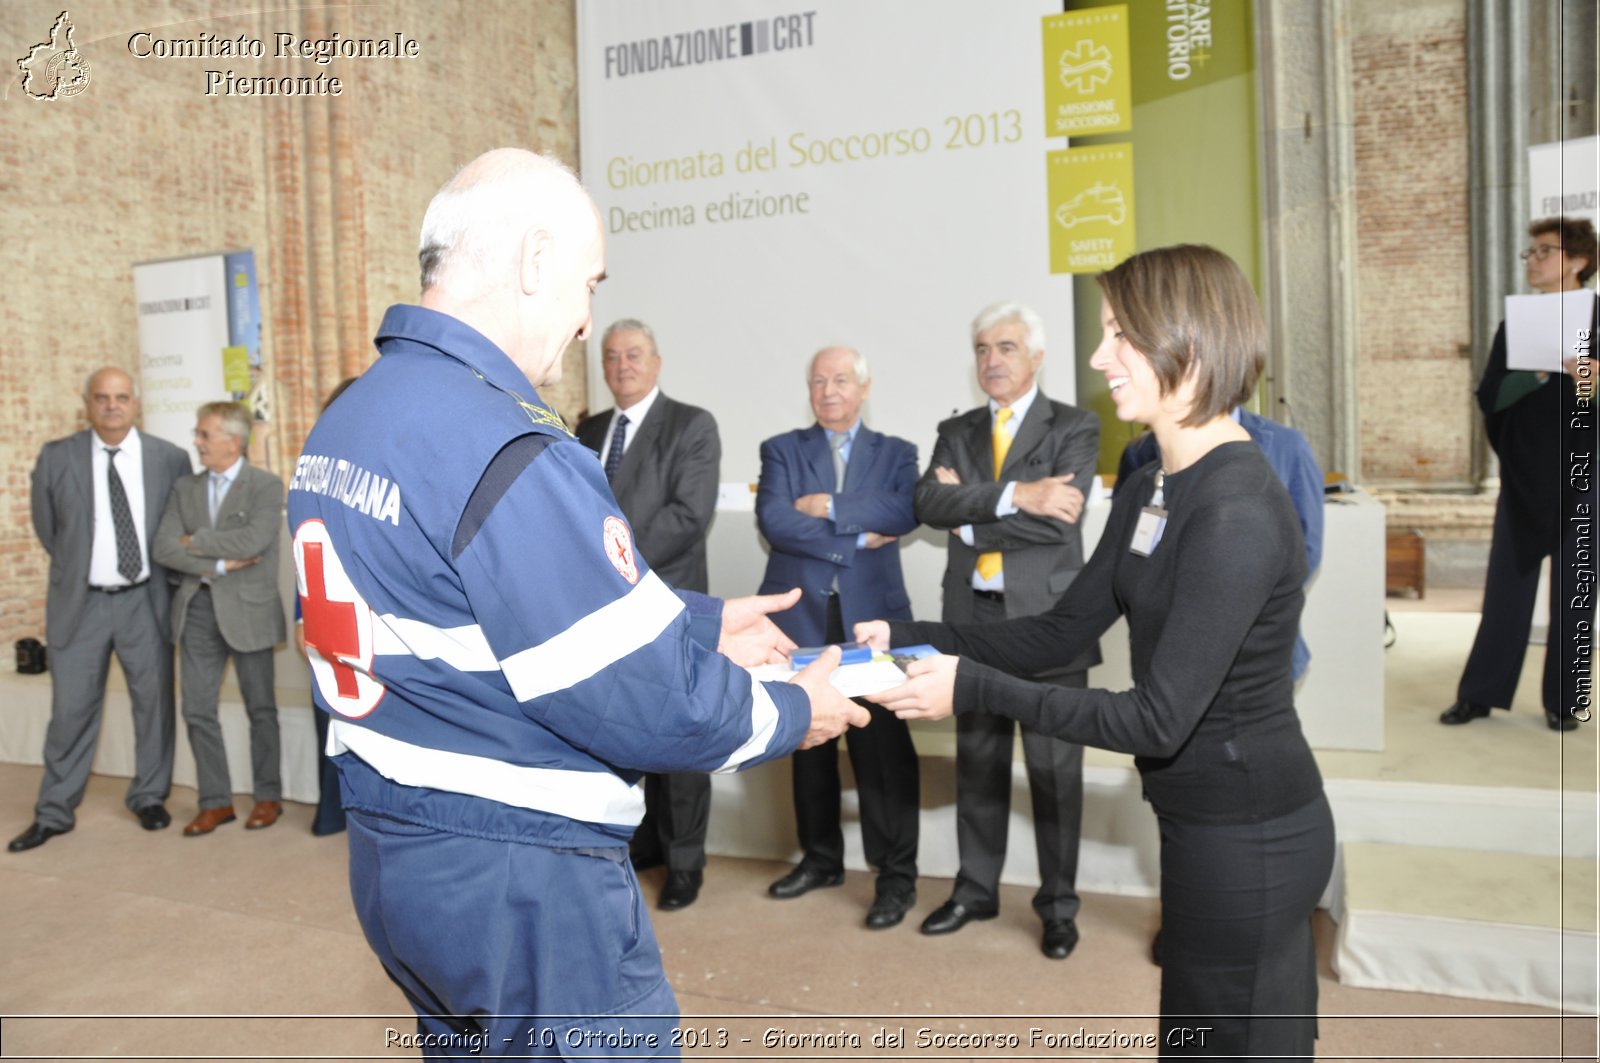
column 833, row 500
column 499, row 663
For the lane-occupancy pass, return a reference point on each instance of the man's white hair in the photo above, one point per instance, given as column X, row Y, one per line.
column 1003, row 313
column 858, row 362
column 475, row 223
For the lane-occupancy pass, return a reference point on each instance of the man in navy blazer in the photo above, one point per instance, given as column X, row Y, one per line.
column 832, row 502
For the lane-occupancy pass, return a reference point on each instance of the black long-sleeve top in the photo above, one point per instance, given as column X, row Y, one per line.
column 1212, row 615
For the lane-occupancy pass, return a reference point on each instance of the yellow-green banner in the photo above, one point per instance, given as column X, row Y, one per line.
column 1091, row 207
column 1087, row 80
column 236, row 370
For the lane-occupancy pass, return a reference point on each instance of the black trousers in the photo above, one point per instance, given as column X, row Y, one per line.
column 888, row 784
column 1510, row 589
column 1237, row 956
column 677, row 808
column 984, row 750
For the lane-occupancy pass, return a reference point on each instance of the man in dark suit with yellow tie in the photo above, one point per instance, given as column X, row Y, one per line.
column 663, row 459
column 96, row 498
column 1007, row 480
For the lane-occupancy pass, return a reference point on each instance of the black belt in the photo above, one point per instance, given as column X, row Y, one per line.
column 120, row 589
column 989, row 596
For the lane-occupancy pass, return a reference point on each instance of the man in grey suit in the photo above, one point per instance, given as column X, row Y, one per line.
column 662, row 458
column 220, row 531
column 96, row 498
column 1007, row 481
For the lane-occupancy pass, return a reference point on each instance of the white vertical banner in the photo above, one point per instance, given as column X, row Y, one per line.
column 183, row 327
column 776, row 178
column 1564, row 178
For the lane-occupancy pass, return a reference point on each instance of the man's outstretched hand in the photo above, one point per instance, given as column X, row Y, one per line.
column 749, row 637
column 831, row 712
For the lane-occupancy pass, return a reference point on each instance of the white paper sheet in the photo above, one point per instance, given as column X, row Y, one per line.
column 1541, row 329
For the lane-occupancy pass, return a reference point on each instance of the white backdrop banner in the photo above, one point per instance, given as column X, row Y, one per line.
column 183, row 327
column 777, row 178
column 1564, row 178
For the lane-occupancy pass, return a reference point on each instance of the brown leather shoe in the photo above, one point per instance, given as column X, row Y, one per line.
column 208, row 820
column 265, row 814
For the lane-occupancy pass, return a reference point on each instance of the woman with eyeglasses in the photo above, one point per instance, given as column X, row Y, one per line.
column 1203, row 555
column 1543, row 432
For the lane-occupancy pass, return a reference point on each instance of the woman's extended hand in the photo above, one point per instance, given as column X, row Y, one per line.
column 874, row 633
column 928, row 692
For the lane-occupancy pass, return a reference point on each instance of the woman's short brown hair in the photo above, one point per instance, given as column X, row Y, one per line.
column 1577, row 240
column 1189, row 309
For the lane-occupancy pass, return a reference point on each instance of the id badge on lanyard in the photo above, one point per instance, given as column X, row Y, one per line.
column 1152, row 521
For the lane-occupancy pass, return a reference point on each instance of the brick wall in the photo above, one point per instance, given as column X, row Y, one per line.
column 1409, row 91
column 329, row 192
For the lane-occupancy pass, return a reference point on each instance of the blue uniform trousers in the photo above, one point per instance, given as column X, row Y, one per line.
column 511, row 949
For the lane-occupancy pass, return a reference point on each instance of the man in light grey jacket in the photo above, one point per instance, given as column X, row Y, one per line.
column 220, row 531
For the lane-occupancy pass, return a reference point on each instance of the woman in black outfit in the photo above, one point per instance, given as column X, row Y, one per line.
column 1205, row 559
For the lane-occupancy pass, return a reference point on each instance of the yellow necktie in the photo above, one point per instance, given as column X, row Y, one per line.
column 989, row 564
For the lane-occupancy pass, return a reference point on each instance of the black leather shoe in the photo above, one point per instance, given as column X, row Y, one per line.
column 1060, row 938
column 1155, row 949
column 681, row 890
column 36, row 835
column 1560, row 722
column 950, row 917
column 644, row 862
column 889, row 908
column 153, row 817
column 1463, row 711
column 803, row 880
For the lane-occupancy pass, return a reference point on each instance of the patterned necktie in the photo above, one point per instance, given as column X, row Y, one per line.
column 837, row 442
column 129, row 562
column 989, row 564
column 619, row 439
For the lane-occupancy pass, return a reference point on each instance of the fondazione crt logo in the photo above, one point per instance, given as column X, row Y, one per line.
column 55, row 69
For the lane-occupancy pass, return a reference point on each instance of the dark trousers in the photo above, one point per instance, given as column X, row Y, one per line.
column 1237, row 955
column 508, row 949
column 329, row 817
column 677, row 808
column 888, row 783
column 1510, row 588
column 984, row 750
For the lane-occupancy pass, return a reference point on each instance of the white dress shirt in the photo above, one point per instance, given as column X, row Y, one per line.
column 636, row 415
column 130, row 468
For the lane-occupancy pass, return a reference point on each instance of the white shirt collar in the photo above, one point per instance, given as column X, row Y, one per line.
column 231, row 472
column 638, row 411
column 130, row 446
column 1019, row 409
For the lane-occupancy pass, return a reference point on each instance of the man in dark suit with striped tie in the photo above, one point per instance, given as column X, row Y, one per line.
column 663, row 458
column 96, row 498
